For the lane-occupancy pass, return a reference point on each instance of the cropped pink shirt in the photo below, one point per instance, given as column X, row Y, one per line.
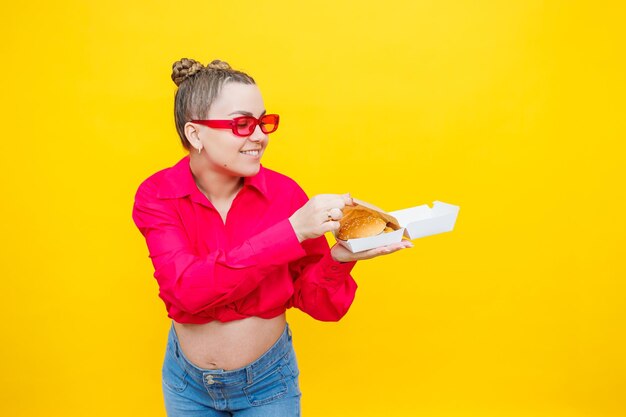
column 250, row 265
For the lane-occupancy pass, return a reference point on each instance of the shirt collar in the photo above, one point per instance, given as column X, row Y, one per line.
column 179, row 182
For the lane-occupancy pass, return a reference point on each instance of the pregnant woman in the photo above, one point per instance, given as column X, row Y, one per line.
column 234, row 245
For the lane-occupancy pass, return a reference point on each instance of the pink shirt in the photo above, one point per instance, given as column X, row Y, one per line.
column 252, row 265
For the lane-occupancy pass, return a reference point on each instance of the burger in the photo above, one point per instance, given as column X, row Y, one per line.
column 359, row 221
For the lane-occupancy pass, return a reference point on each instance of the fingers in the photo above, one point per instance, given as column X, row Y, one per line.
column 396, row 247
column 335, row 214
column 342, row 254
column 328, row 207
column 384, row 250
column 330, row 226
column 320, row 215
column 329, row 201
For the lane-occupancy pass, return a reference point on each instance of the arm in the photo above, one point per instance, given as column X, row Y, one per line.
column 193, row 283
column 323, row 287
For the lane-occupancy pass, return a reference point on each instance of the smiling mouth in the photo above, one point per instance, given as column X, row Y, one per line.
column 251, row 153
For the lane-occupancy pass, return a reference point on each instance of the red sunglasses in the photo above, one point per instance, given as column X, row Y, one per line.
column 244, row 125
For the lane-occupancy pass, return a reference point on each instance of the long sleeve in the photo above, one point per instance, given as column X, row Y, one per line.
column 323, row 287
column 195, row 283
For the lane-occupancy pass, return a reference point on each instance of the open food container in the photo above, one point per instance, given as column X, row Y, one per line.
column 410, row 223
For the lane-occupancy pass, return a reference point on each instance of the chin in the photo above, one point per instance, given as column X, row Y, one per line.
column 249, row 171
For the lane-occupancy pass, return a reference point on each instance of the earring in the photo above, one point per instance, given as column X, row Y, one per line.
column 199, row 150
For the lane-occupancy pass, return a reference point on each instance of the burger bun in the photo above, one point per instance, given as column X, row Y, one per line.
column 359, row 222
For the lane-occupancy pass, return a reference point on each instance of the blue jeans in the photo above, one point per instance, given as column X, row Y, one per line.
column 266, row 387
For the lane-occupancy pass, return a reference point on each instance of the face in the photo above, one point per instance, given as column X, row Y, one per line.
column 222, row 150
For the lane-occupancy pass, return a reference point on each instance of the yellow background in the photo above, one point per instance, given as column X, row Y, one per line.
column 513, row 110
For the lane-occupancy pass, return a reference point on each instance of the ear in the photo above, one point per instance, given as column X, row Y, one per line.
column 193, row 135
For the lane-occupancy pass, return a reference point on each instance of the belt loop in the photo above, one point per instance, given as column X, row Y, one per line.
column 249, row 374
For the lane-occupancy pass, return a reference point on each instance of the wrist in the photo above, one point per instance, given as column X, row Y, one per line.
column 295, row 230
column 337, row 264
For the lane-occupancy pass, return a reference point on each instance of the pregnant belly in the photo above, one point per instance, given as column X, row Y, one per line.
column 230, row 345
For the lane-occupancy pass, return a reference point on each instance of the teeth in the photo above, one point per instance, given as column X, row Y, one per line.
column 253, row 153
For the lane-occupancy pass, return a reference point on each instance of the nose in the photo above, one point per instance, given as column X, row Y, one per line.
column 257, row 135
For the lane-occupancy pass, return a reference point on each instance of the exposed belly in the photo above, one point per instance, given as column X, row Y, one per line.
column 230, row 345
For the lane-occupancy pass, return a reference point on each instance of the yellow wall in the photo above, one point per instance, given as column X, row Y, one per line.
column 513, row 110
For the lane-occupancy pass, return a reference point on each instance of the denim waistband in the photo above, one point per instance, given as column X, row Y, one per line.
column 246, row 374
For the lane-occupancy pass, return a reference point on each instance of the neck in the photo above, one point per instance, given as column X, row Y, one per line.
column 213, row 184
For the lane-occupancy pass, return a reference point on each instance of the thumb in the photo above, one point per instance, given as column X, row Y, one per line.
column 347, row 198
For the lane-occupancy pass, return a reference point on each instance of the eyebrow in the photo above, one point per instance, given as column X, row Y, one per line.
column 247, row 113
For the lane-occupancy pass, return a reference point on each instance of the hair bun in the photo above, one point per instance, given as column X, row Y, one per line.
column 220, row 65
column 185, row 68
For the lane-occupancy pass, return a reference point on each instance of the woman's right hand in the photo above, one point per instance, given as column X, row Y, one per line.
column 319, row 215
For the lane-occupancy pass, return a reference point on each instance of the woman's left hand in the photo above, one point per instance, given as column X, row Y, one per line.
column 341, row 254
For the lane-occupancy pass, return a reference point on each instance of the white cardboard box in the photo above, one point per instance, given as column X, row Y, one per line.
column 414, row 222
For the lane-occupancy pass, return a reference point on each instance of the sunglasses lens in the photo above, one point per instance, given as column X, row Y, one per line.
column 244, row 126
column 269, row 123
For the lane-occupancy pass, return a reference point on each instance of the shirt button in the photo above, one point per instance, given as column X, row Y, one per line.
column 334, row 268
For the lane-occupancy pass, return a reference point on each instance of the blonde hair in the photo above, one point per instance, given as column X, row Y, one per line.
column 198, row 86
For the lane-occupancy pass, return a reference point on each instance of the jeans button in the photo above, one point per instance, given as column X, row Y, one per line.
column 209, row 379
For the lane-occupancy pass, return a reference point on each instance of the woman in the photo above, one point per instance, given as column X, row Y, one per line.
column 234, row 245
